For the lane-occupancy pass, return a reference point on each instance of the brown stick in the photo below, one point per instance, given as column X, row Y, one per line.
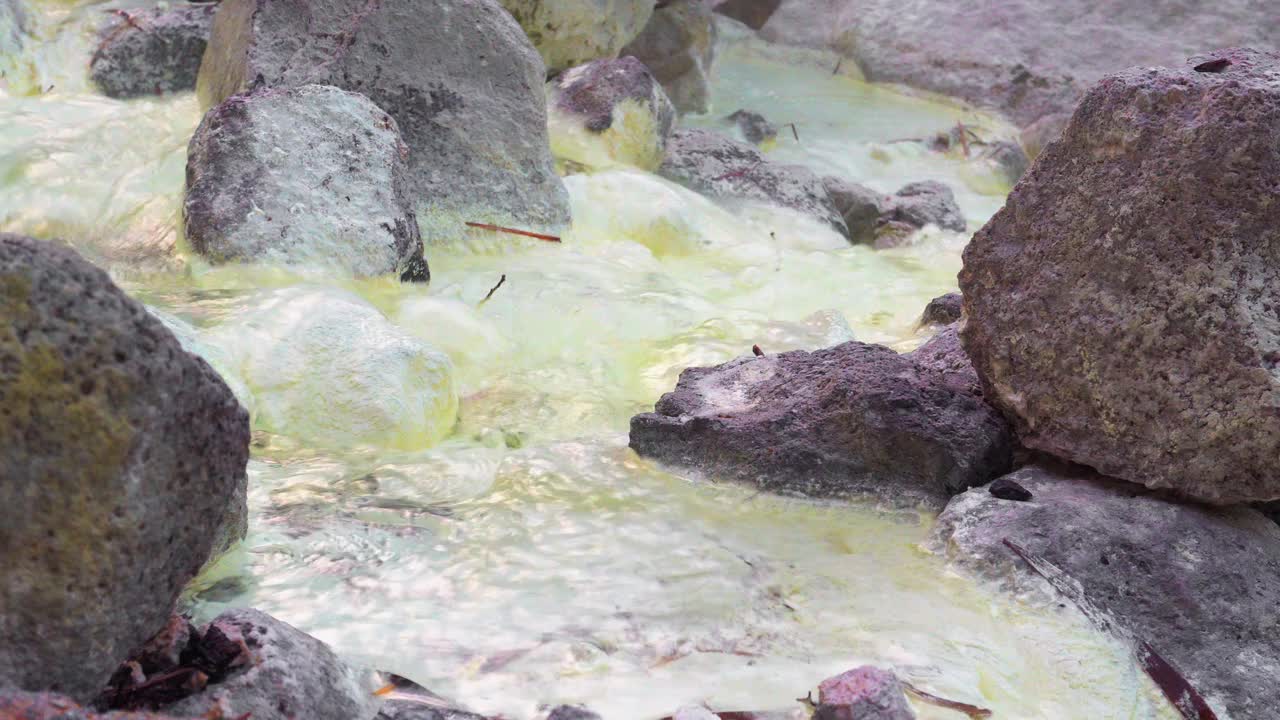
column 493, row 290
column 795, row 132
column 972, row 711
column 513, row 231
column 739, row 172
column 964, row 138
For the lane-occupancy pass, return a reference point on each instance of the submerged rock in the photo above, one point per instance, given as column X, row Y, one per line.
column 873, row 218
column 152, row 51
column 679, row 45
column 943, row 310
column 459, row 76
column 1026, row 58
column 326, row 367
column 754, row 127
column 124, row 461
column 1122, row 306
column 851, row 420
column 608, row 113
column 305, row 176
column 721, row 167
column 1199, row 584
column 865, row 693
column 572, row 32
column 285, row 674
column 752, row 13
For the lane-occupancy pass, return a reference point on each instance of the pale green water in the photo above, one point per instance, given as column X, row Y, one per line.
column 528, row 556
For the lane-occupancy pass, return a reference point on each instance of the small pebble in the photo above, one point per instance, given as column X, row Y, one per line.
column 1007, row 489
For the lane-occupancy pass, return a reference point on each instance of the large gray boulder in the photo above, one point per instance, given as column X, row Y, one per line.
column 721, row 167
column 1200, row 585
column 309, row 175
column 152, row 51
column 609, row 113
column 1122, row 306
column 1027, row 58
column 572, row 32
column 459, row 76
column 679, row 46
column 286, row 674
column 124, row 459
column 853, row 420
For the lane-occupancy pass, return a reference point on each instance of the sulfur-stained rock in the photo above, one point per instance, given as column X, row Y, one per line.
column 679, row 45
column 311, row 175
column 459, row 77
column 573, row 32
column 609, row 113
column 124, row 460
column 1122, row 307
column 152, row 51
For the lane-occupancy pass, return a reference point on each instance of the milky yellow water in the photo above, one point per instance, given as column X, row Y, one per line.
column 442, row 488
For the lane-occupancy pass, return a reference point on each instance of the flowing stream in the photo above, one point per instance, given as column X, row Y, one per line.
column 523, row 555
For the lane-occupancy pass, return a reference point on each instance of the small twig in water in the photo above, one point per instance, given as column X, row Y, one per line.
column 755, row 349
column 838, row 64
column 513, row 231
column 972, row 711
column 964, row 138
column 795, row 133
column 493, row 290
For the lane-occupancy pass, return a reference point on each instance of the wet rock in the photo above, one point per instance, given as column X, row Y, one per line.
column 1007, row 489
column 305, row 176
column 459, row 76
column 862, row 208
column 678, row 44
column 287, row 674
column 327, row 368
column 865, row 693
column 852, row 420
column 752, row 13
column 1145, row 241
column 943, row 310
column 608, row 113
column 117, row 443
column 754, row 127
column 873, row 218
column 152, row 51
column 928, row 202
column 572, row 32
column 1199, row 584
column 1009, row 158
column 1026, row 58
column 572, row 712
column 720, row 167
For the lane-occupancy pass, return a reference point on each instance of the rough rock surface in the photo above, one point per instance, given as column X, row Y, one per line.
column 288, row 675
column 752, row 13
column 328, row 368
column 116, row 442
column 1028, row 58
column 869, row 214
column 608, row 113
column 12, row 23
column 1122, row 307
column 572, row 712
column 155, row 51
column 943, row 310
column 865, row 693
column 721, row 167
column 572, row 32
column 679, row 45
column 459, row 76
column 1201, row 585
column 851, row 420
column 311, row 175
column 20, row 705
